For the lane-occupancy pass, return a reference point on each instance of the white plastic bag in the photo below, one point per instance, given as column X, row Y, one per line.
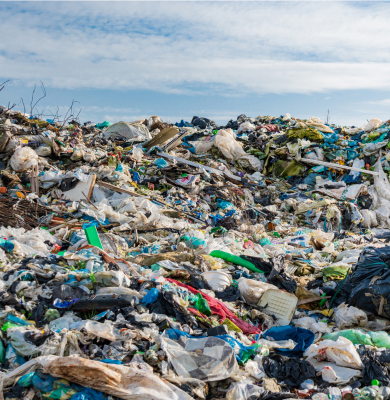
column 341, row 352
column 23, row 159
column 383, row 216
column 244, row 390
column 369, row 218
column 202, row 146
column 348, row 316
column 374, row 123
column 246, row 126
column 255, row 369
column 227, row 145
column 336, row 374
column 381, row 183
column 137, row 154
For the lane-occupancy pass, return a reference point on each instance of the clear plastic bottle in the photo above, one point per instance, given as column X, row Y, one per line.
column 334, row 393
column 319, row 396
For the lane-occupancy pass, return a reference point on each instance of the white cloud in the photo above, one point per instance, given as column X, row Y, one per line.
column 229, row 48
column 383, row 103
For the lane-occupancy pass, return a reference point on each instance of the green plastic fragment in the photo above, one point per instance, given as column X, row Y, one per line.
column 93, row 237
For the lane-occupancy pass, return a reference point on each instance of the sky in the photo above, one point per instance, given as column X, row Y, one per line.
column 130, row 60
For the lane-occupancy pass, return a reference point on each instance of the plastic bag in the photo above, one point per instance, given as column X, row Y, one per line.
column 202, row 146
column 302, row 337
column 311, row 324
column 121, row 381
column 43, row 150
column 137, row 154
column 255, row 369
column 246, row 126
column 334, row 374
column 346, row 317
column 202, row 305
column 227, row 145
column 342, row 353
column 23, row 159
column 378, row 339
column 374, row 123
column 381, row 183
column 244, row 390
column 77, row 155
column 382, row 214
column 369, row 218
column 207, row 358
column 252, row 290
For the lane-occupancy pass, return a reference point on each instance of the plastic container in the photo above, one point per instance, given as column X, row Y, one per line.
column 279, row 303
column 218, row 280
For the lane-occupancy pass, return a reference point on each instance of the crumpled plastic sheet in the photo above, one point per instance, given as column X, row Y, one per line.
column 128, row 383
column 207, row 358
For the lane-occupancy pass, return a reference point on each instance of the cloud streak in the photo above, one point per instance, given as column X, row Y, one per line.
column 198, row 48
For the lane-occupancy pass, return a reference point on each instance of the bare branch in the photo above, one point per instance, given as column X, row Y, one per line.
column 24, row 107
column 69, row 113
column 32, row 104
column 2, row 85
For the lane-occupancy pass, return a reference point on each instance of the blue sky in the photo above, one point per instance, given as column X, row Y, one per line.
column 130, row 60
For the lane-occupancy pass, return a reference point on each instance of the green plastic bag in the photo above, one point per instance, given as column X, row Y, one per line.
column 202, row 305
column 378, row 339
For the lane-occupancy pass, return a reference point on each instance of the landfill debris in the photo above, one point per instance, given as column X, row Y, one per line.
column 150, row 260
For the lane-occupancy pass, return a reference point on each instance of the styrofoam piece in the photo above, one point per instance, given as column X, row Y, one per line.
column 280, row 304
column 217, row 280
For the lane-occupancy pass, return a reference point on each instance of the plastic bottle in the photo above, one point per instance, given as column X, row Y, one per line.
column 334, row 393
column 319, row 396
column 370, row 393
column 17, row 320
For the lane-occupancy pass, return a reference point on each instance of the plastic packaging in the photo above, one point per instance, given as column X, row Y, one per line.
column 23, row 159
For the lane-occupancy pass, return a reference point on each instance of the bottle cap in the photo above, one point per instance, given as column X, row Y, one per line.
column 375, row 382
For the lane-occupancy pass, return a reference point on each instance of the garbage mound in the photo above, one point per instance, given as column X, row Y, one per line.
column 145, row 260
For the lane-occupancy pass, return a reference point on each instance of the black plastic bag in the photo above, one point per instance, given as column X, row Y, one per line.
column 373, row 368
column 289, row 371
column 370, row 281
column 166, row 305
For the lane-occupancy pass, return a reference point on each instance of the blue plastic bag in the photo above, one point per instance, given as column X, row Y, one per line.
column 150, row 297
column 302, row 337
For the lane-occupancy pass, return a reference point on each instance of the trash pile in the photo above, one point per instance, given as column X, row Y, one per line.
column 146, row 260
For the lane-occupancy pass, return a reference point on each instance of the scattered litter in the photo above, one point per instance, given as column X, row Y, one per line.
column 146, row 260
